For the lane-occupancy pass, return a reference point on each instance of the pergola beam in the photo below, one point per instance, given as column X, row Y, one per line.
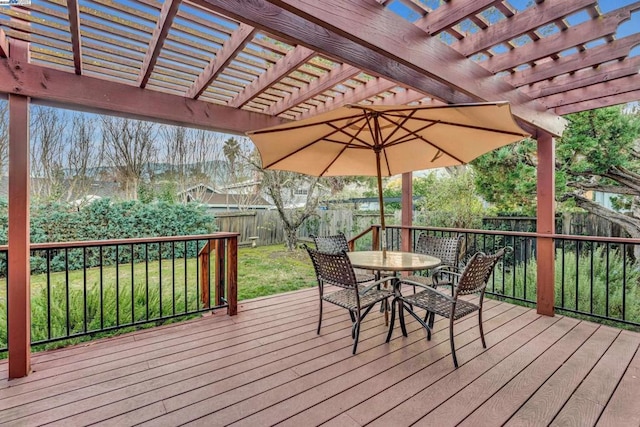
column 238, row 40
column 76, row 38
column 519, row 24
column 283, row 67
column 556, row 43
column 583, row 78
column 613, row 87
column 607, row 101
column 160, row 33
column 58, row 88
column 617, row 49
column 451, row 13
column 353, row 96
column 387, row 45
column 402, row 97
column 336, row 76
column 4, row 45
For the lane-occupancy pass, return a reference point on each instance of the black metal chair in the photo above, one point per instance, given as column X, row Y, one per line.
column 335, row 244
column 336, row 269
column 447, row 249
column 472, row 280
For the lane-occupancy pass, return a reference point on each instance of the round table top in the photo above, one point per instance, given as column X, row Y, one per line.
column 394, row 261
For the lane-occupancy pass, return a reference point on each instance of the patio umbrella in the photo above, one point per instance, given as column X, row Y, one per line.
column 366, row 140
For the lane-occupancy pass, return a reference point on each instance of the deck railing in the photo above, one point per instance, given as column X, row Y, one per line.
column 596, row 278
column 82, row 288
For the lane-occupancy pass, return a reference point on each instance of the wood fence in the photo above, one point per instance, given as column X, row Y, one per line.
column 269, row 229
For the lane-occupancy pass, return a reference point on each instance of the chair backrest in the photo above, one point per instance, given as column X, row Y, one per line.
column 447, row 249
column 333, row 268
column 331, row 244
column 476, row 274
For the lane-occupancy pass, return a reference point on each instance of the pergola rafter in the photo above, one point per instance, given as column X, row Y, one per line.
column 74, row 29
column 595, row 91
column 160, row 33
column 4, row 45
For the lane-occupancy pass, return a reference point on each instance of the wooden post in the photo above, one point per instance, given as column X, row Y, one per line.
column 232, row 275
column 407, row 211
column 375, row 238
column 204, row 257
column 546, row 225
column 19, row 316
column 218, row 280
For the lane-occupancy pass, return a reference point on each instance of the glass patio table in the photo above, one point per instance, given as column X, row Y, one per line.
column 395, row 262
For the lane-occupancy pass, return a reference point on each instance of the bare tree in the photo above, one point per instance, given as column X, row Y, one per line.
column 128, row 147
column 281, row 187
column 83, row 153
column 47, row 152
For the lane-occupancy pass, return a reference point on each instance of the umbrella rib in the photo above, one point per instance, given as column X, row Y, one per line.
column 301, row 126
column 343, row 150
column 324, row 137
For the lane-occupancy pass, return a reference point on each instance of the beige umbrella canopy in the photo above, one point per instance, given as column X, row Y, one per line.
column 364, row 140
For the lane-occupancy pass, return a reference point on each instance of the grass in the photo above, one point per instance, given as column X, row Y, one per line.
column 120, row 296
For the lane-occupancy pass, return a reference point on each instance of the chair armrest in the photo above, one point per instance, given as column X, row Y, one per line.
column 376, row 284
column 428, row 289
column 416, row 284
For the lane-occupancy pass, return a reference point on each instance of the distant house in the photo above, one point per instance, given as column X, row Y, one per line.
column 219, row 201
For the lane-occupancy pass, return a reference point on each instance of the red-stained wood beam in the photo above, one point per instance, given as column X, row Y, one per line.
column 617, row 49
column 238, row 40
column 4, row 45
column 607, row 101
column 165, row 20
column 19, row 271
column 584, row 78
column 402, row 97
column 76, row 38
column 545, row 224
column 451, row 13
column 338, row 75
column 387, row 45
column 600, row 90
column 353, row 96
column 519, row 24
column 556, row 43
column 283, row 67
column 62, row 89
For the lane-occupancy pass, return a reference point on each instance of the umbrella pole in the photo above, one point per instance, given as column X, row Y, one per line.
column 383, row 229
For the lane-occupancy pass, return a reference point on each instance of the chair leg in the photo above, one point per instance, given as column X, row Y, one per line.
column 356, row 335
column 401, row 316
column 393, row 318
column 320, row 317
column 453, row 345
column 484, row 344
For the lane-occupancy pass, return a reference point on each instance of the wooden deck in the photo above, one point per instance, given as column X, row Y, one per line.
column 268, row 366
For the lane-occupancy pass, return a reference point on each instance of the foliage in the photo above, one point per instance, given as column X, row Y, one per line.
column 595, row 281
column 104, row 219
column 450, row 201
column 598, row 152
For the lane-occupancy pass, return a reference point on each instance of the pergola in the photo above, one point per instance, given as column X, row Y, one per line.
column 235, row 66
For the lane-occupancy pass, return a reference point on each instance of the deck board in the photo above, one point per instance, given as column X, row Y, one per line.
column 268, row 366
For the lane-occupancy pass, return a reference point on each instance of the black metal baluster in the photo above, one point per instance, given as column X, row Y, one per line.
column 606, row 295
column 160, row 276
column 48, row 255
column 146, row 275
column 101, row 288
column 117, row 285
column 133, row 290
column 66, row 281
column 185, row 278
column 84, row 280
column 173, row 277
